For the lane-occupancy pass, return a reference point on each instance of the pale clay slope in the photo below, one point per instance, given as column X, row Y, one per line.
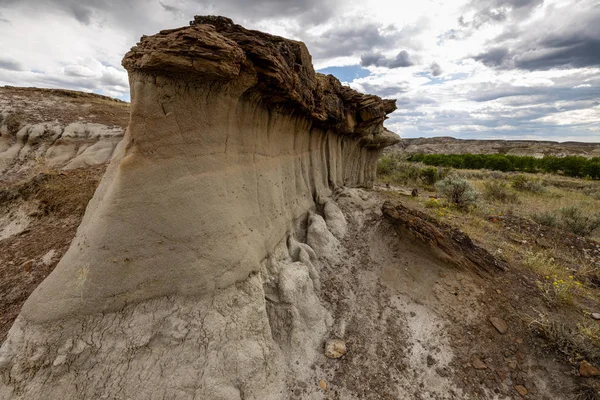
column 263, row 336
column 75, row 145
column 56, row 129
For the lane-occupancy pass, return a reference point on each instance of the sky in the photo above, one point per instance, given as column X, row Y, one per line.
column 473, row 69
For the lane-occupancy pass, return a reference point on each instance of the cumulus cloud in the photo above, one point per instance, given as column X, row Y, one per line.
column 382, row 89
column 497, row 11
column 347, row 40
column 503, row 67
column 401, row 60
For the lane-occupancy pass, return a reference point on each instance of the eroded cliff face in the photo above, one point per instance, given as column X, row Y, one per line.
column 195, row 272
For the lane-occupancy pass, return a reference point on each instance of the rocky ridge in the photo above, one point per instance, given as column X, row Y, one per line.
column 449, row 145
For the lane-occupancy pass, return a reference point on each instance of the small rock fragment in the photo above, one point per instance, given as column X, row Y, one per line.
column 596, row 316
column 477, row 363
column 323, row 384
column 431, row 361
column 335, row 348
column 588, row 370
column 522, row 390
column 544, row 242
column 27, row 265
column 499, row 324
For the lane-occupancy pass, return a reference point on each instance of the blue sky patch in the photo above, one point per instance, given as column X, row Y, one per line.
column 347, row 73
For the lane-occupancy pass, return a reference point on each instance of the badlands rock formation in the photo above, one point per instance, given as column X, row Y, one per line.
column 37, row 129
column 196, row 270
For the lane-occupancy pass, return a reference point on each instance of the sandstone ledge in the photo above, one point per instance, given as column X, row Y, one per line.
column 279, row 71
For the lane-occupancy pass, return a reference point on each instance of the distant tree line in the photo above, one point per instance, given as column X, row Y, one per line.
column 575, row 166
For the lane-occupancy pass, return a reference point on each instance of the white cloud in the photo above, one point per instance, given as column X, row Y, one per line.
column 441, row 88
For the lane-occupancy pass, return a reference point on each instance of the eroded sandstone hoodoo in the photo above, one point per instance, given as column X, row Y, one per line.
column 195, row 271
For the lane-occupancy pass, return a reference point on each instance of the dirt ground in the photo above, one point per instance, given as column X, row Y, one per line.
column 415, row 325
column 39, row 216
column 419, row 328
column 34, row 105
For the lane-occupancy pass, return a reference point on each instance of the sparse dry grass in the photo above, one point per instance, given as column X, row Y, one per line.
column 56, row 191
column 572, row 341
column 568, row 282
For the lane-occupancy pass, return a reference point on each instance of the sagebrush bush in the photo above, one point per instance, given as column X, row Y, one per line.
column 13, row 123
column 394, row 169
column 386, row 165
column 546, row 218
column 574, row 220
column 499, row 191
column 458, row 191
column 525, row 184
column 571, row 219
column 594, row 194
column 430, row 175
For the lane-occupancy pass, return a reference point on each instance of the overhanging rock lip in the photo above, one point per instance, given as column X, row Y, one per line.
column 280, row 70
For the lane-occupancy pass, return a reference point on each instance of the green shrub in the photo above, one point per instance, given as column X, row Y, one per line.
column 525, row 184
column 394, row 169
column 574, row 220
column 13, row 123
column 547, row 218
column 499, row 191
column 575, row 166
column 430, row 175
column 458, row 191
column 571, row 219
column 386, row 165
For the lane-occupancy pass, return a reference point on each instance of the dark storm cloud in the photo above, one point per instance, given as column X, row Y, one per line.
column 384, row 90
column 401, row 60
column 564, row 39
column 169, row 8
column 135, row 15
column 129, row 15
column 308, row 12
column 82, row 13
column 140, row 16
column 575, row 52
column 435, row 68
column 359, row 37
column 349, row 39
column 10, row 64
column 567, row 88
column 493, row 57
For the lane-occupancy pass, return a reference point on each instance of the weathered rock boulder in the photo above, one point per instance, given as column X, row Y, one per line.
column 189, row 276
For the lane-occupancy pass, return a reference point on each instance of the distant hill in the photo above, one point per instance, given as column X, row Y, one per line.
column 449, row 145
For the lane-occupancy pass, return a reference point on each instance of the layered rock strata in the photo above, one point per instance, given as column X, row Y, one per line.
column 195, row 271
